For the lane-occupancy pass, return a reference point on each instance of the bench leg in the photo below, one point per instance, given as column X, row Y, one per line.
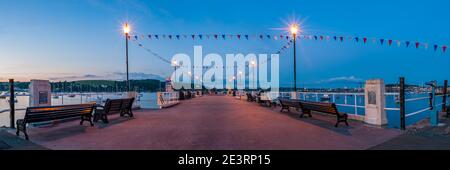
column 307, row 112
column 22, row 126
column 105, row 118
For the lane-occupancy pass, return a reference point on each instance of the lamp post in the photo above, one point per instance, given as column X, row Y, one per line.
column 253, row 64
column 294, row 30
column 175, row 65
column 126, row 31
column 240, row 77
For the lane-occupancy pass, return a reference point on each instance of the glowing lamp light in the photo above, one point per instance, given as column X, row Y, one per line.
column 175, row 62
column 126, row 29
column 294, row 29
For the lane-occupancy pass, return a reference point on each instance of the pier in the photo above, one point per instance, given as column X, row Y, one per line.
column 213, row 122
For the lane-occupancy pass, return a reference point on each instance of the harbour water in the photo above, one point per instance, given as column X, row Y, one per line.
column 146, row 101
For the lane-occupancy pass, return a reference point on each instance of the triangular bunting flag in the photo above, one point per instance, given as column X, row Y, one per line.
column 382, row 41
column 178, row 36
column 193, row 36
column 417, row 45
column 239, row 37
column 365, row 40
column 341, row 38
column 150, row 36
column 390, row 42
column 407, row 44
column 435, row 47
column 246, row 37
column 223, row 36
column 444, row 48
column 356, row 39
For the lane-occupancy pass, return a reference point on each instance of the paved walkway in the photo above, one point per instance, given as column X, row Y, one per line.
column 213, row 122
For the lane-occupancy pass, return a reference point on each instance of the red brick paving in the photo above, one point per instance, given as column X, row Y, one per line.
column 213, row 122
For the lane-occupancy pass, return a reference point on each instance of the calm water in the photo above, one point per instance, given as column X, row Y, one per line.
column 147, row 101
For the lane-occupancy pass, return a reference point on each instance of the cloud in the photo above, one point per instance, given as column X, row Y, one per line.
column 343, row 79
column 82, row 77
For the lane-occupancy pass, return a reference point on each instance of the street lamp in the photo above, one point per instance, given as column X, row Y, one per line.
column 175, row 64
column 253, row 64
column 294, row 30
column 126, row 31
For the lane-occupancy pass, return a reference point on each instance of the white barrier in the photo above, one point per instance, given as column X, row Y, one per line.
column 167, row 99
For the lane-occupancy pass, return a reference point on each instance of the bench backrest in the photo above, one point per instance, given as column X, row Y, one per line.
column 117, row 105
column 329, row 108
column 127, row 103
column 289, row 102
column 48, row 113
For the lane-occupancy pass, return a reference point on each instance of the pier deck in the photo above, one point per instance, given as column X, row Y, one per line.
column 213, row 122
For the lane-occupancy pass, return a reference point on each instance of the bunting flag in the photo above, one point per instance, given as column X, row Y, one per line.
column 287, row 37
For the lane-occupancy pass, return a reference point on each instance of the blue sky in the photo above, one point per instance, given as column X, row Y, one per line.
column 81, row 39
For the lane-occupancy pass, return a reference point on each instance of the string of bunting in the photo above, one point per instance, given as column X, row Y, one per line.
column 364, row 40
column 288, row 44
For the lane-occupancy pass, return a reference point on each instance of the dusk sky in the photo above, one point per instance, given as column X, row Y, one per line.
column 82, row 39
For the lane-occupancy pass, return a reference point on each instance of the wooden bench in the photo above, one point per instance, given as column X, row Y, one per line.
column 51, row 113
column 114, row 106
column 308, row 106
column 250, row 98
column 286, row 104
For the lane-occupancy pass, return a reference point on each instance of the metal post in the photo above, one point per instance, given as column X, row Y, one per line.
column 444, row 98
column 356, row 106
column 11, row 103
column 402, row 104
column 126, row 52
column 295, row 65
column 434, row 116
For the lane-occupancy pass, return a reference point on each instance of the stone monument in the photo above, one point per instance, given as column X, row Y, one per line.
column 375, row 102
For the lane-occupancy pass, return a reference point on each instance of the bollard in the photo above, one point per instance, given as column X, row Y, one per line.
column 12, row 103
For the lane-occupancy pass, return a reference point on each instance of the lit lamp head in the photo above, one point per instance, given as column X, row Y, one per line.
column 294, row 29
column 174, row 63
column 126, row 28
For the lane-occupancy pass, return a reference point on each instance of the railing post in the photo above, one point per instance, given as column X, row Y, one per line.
column 356, row 106
column 12, row 103
column 402, row 104
column 444, row 98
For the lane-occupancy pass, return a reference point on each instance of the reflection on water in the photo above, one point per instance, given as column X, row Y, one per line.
column 145, row 100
